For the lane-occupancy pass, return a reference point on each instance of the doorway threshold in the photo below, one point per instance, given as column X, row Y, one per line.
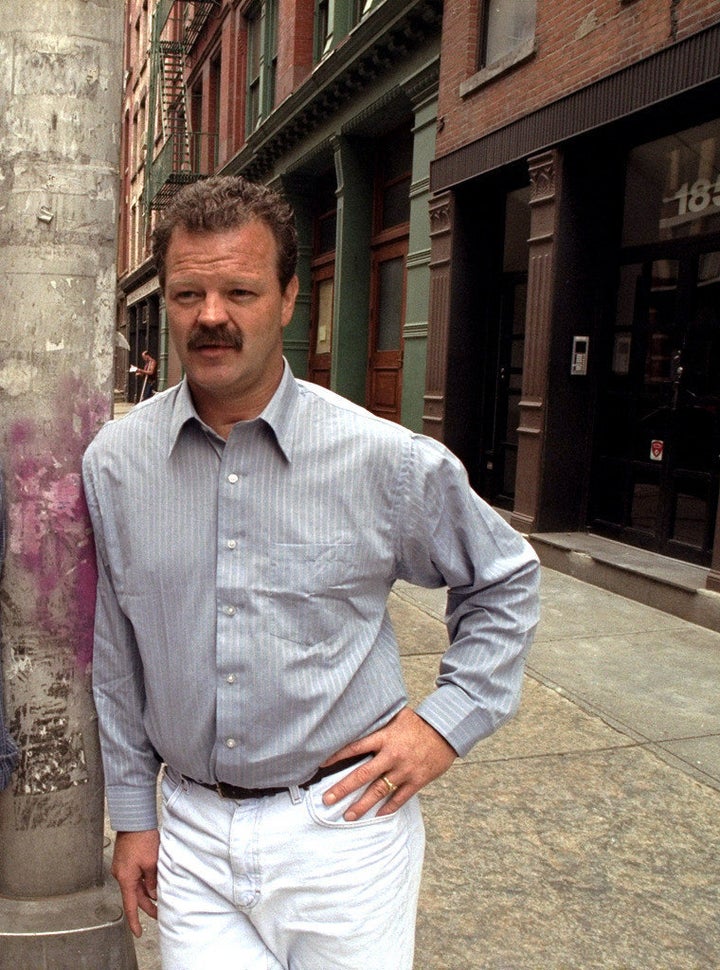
column 669, row 585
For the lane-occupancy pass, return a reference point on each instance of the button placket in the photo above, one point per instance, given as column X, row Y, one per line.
column 230, row 592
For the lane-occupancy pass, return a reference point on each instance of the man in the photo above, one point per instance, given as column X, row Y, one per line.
column 247, row 646
column 147, row 371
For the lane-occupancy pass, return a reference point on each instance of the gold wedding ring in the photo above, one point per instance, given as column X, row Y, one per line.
column 391, row 788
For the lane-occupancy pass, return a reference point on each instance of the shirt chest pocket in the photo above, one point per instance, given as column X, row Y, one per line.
column 310, row 589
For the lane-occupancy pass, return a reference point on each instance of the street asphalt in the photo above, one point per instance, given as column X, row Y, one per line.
column 585, row 833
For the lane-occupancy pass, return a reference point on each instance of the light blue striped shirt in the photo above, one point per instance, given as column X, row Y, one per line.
column 241, row 628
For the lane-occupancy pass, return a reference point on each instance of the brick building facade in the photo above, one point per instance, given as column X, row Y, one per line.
column 509, row 220
column 574, row 339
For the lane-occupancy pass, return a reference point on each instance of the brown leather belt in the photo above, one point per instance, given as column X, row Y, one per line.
column 236, row 793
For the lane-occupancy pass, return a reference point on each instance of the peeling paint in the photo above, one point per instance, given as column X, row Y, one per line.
column 17, row 377
column 49, row 693
column 589, row 24
column 49, row 527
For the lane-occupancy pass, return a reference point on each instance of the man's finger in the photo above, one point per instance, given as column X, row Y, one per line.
column 148, row 905
column 378, row 793
column 130, row 905
column 135, row 868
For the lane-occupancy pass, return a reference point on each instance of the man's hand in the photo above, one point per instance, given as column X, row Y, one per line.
column 407, row 752
column 135, row 868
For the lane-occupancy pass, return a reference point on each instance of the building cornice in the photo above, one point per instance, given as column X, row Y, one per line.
column 137, row 277
column 390, row 33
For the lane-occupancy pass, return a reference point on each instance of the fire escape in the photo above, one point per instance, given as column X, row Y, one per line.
column 174, row 150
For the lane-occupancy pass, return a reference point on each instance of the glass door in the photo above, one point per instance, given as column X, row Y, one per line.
column 655, row 480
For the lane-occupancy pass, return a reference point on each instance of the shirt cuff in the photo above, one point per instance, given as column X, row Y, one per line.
column 132, row 809
column 456, row 717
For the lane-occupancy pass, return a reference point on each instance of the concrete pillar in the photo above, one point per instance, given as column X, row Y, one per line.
column 60, row 83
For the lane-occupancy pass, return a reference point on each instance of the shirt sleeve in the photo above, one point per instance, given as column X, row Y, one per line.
column 130, row 762
column 451, row 537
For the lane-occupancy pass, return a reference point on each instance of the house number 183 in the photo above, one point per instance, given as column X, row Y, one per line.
column 697, row 197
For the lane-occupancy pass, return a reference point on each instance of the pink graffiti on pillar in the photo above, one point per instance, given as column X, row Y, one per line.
column 49, row 526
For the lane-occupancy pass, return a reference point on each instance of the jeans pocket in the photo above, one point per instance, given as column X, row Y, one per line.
column 331, row 816
column 171, row 788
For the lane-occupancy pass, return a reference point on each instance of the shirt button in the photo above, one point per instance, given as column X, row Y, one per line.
column 233, row 478
column 231, row 544
column 229, row 610
column 230, row 743
column 231, row 678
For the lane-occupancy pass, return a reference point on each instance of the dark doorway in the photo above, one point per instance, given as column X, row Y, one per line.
column 503, row 385
column 655, row 478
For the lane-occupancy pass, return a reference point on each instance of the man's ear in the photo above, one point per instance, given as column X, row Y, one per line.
column 288, row 300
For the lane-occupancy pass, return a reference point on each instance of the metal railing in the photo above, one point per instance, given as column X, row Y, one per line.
column 185, row 157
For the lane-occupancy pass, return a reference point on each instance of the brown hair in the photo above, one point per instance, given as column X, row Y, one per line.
column 228, row 202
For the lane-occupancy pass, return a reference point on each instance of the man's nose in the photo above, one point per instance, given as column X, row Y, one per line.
column 212, row 309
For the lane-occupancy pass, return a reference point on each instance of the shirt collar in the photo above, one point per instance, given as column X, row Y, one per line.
column 279, row 413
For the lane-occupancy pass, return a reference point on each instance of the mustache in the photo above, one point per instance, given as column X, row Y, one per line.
column 219, row 336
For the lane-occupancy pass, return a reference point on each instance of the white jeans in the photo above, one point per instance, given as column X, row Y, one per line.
column 284, row 883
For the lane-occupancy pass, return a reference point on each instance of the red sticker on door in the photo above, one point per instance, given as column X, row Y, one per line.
column 656, row 450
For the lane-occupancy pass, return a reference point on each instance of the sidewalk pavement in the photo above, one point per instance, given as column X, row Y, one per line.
column 584, row 834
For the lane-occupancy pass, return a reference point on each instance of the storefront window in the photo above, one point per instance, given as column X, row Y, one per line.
column 672, row 188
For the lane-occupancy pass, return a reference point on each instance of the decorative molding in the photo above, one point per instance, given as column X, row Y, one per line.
column 439, row 218
column 151, row 288
column 368, row 114
column 418, row 330
column 389, row 34
column 423, row 86
column 417, row 259
column 420, row 188
column 296, row 344
column 542, row 177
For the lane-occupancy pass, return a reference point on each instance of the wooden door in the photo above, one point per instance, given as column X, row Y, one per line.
column 387, row 315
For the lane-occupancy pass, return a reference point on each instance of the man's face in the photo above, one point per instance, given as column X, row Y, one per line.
column 226, row 314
